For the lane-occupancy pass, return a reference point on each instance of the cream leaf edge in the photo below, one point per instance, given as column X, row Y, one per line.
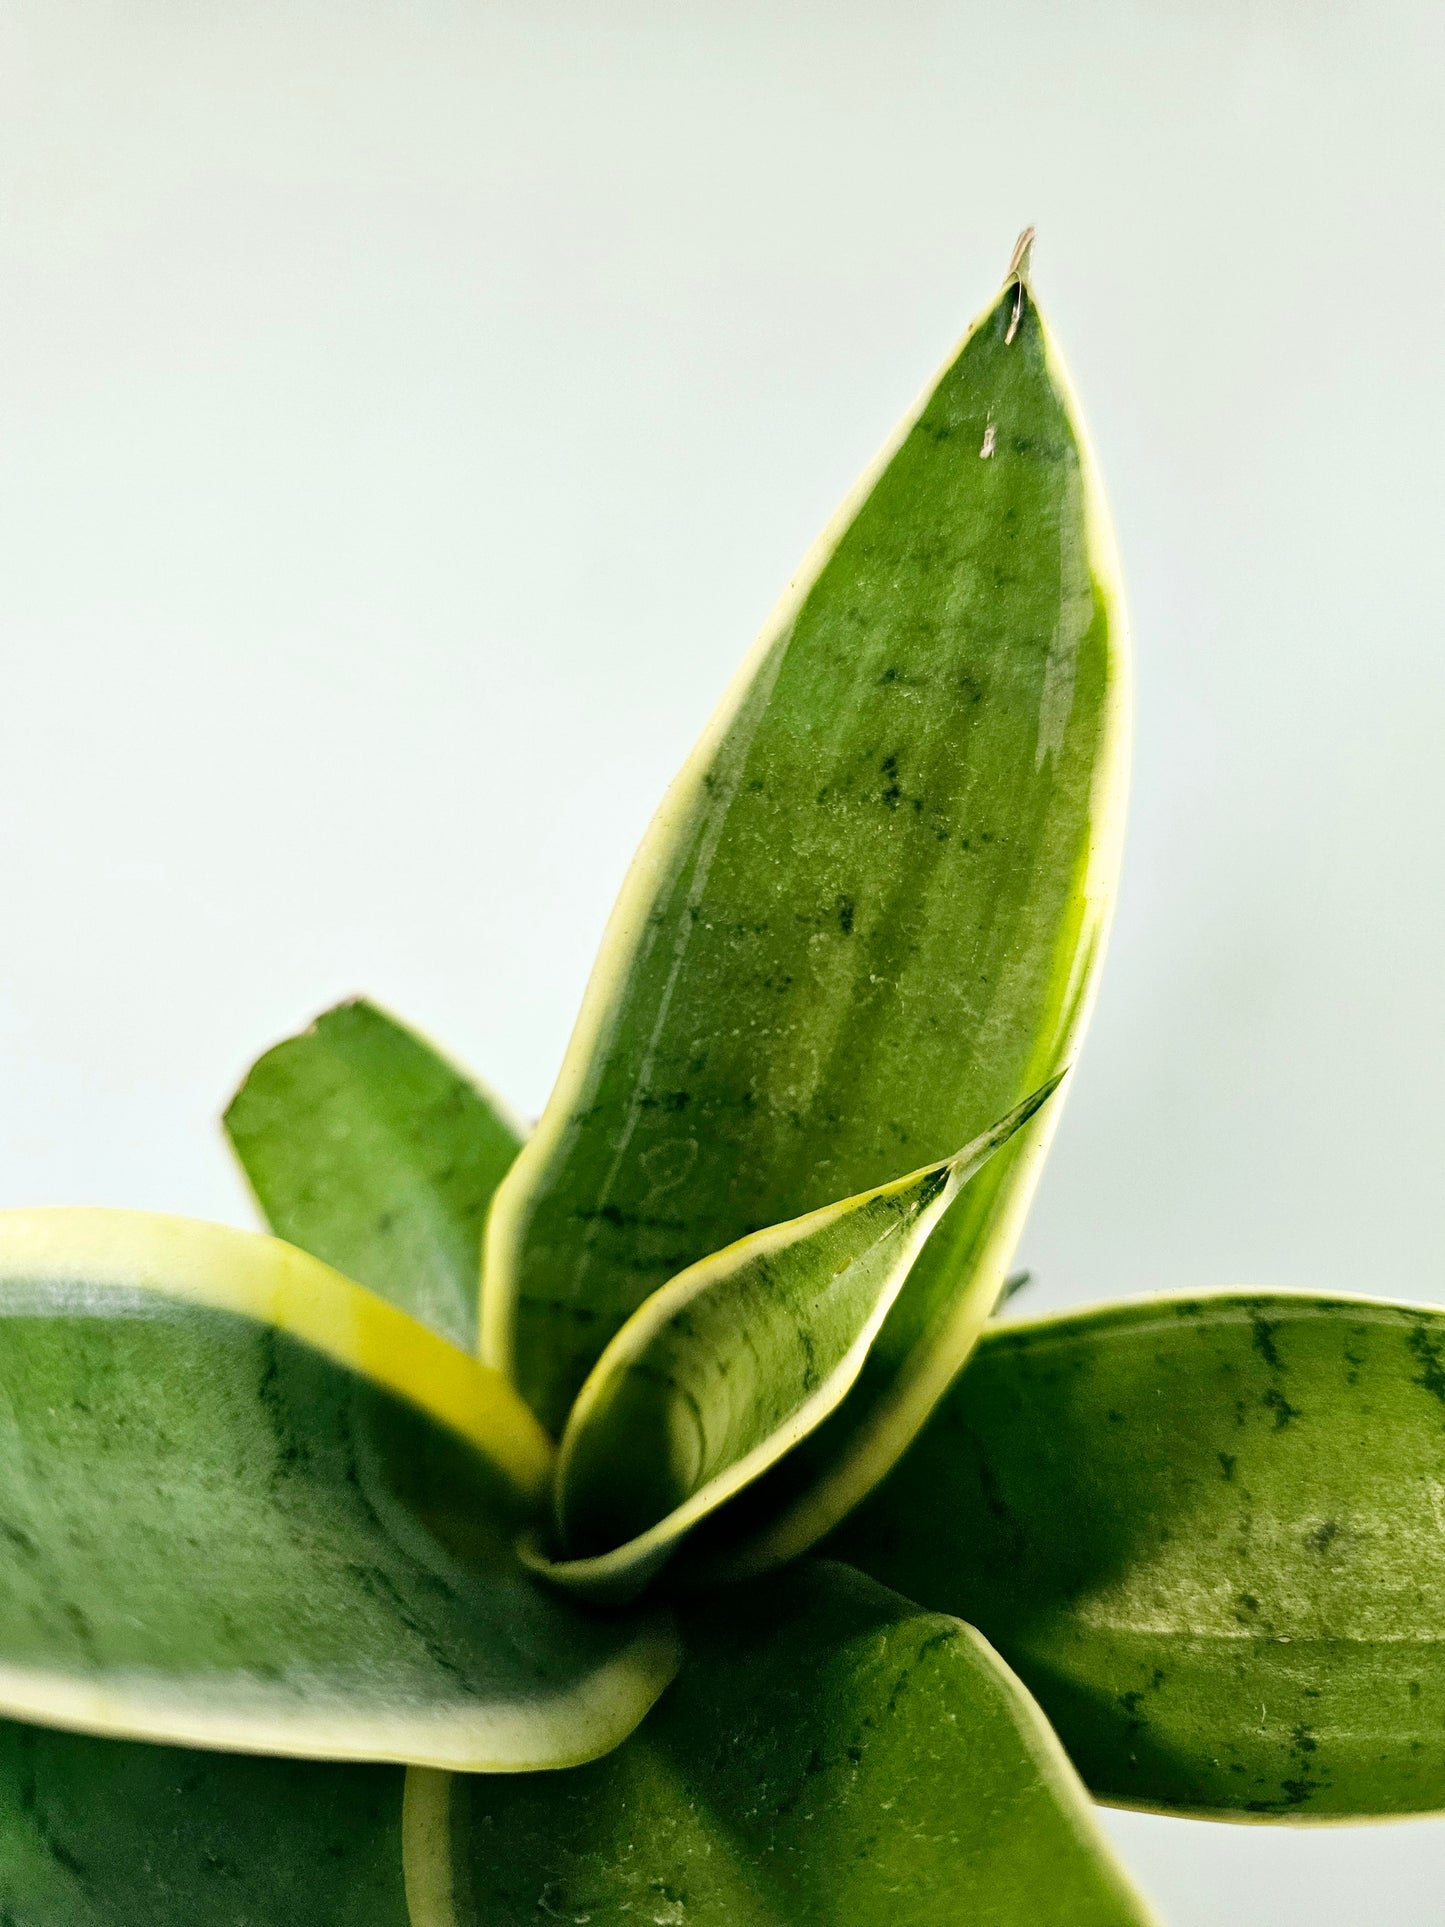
column 562, row 1729
column 426, row 1847
column 93, row 1250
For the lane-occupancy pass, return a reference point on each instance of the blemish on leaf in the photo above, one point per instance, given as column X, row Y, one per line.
column 1262, row 1332
column 1426, row 1348
column 667, row 1101
column 1324, row 1535
column 18, row 1538
column 930, row 1187
column 1277, row 1403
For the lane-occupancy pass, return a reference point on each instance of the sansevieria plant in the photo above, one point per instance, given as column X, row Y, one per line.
column 717, row 1563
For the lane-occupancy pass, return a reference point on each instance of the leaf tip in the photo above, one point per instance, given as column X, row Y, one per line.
column 1021, row 260
column 1017, row 277
column 1015, row 1119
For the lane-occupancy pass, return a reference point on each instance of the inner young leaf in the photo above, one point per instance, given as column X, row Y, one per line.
column 728, row 1366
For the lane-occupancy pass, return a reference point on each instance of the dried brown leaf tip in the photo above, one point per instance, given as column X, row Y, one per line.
column 1020, row 262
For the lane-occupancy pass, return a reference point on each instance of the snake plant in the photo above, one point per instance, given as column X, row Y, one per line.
column 644, row 1519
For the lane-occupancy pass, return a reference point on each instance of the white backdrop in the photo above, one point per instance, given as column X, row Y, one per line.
column 407, row 413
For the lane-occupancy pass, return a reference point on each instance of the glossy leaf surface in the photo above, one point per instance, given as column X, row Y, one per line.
column 725, row 1369
column 828, row 1754
column 864, row 923
column 110, row 1833
column 1208, row 1534
column 246, row 1504
column 366, row 1148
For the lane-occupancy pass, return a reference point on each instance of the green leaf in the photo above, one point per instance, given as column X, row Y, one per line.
column 724, row 1370
column 246, row 1504
column 829, row 1754
column 1210, row 1536
column 864, row 923
column 366, row 1148
column 107, row 1833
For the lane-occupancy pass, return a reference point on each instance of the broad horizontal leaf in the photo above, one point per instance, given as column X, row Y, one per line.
column 829, row 1754
column 725, row 1369
column 1208, row 1533
column 366, row 1148
column 864, row 923
column 108, row 1833
column 246, row 1504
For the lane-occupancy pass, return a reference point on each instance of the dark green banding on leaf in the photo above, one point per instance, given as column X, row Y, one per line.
column 1209, row 1534
column 828, row 1754
column 366, row 1147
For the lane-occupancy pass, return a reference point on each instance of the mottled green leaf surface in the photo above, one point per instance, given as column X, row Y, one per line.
column 1210, row 1536
column 219, row 1528
column 364, row 1146
column 110, row 1833
column 722, row 1371
column 864, row 923
column 829, row 1754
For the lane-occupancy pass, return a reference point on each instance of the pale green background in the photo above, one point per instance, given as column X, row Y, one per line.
column 407, row 412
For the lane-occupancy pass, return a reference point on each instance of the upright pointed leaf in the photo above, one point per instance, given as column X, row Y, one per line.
column 829, row 1754
column 108, row 1833
column 248, row 1505
column 721, row 1372
column 369, row 1150
column 1209, row 1535
column 865, row 921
